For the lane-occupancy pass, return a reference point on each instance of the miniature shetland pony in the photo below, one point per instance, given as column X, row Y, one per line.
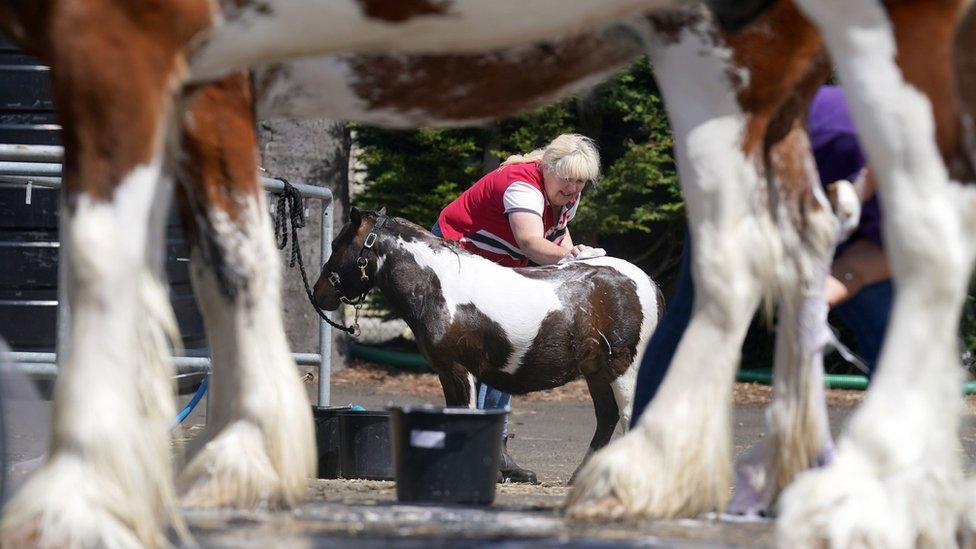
column 520, row 330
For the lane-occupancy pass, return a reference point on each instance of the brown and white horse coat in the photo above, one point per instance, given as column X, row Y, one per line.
column 254, row 32
column 118, row 70
column 760, row 226
column 896, row 480
column 520, row 330
column 411, row 90
column 118, row 76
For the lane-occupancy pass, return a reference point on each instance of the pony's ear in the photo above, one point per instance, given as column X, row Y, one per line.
column 382, row 211
column 355, row 216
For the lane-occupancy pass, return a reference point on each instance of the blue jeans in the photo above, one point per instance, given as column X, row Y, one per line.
column 866, row 314
column 660, row 350
column 489, row 398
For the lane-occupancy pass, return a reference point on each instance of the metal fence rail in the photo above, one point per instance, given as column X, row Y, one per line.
column 40, row 165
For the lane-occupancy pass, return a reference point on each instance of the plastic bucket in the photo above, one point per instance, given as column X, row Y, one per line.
column 327, row 439
column 364, row 445
column 446, row 454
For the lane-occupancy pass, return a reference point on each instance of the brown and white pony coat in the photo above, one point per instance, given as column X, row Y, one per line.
column 119, row 75
column 520, row 330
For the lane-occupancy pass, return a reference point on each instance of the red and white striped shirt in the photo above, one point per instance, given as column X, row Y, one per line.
column 478, row 219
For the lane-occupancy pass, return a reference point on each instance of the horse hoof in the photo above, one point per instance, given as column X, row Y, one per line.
column 234, row 470
column 847, row 504
column 67, row 503
column 608, row 507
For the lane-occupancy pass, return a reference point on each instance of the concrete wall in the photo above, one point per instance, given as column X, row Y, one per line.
column 314, row 152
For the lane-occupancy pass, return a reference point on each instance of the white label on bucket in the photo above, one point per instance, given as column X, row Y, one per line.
column 427, row 439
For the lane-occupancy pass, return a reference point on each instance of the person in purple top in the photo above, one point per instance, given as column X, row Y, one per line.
column 859, row 288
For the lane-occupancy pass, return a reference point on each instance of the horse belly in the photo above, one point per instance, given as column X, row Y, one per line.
column 256, row 33
column 411, row 90
column 532, row 375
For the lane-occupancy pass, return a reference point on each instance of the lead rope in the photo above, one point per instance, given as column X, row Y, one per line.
column 289, row 207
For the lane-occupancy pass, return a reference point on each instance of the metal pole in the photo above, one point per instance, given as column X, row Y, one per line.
column 31, row 153
column 49, row 169
column 325, row 331
column 64, row 252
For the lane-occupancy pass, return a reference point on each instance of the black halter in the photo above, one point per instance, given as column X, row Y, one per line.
column 290, row 209
column 362, row 262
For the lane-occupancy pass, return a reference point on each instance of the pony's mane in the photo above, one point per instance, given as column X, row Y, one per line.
column 409, row 230
column 406, row 228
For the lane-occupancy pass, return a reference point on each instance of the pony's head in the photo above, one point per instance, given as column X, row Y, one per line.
column 350, row 271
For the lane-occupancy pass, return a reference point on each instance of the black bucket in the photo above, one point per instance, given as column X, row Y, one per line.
column 327, row 439
column 447, row 454
column 364, row 445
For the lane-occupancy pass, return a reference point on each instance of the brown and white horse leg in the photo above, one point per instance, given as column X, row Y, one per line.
column 460, row 387
column 798, row 429
column 895, row 481
column 108, row 479
column 259, row 445
column 661, row 468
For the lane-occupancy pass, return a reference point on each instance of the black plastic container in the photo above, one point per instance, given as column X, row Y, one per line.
column 327, row 439
column 446, row 454
column 364, row 445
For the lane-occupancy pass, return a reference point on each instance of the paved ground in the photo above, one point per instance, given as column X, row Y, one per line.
column 551, row 434
column 551, row 431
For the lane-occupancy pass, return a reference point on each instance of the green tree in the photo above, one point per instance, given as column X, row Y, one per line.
column 415, row 173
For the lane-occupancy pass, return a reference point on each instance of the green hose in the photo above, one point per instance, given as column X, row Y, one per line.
column 414, row 362
column 834, row 381
column 404, row 360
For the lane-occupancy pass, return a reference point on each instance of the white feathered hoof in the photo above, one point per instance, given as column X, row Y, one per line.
column 628, row 479
column 68, row 504
column 846, row 505
column 239, row 468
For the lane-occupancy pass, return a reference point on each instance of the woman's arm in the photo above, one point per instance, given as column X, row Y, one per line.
column 567, row 242
column 863, row 263
column 529, row 233
column 528, row 230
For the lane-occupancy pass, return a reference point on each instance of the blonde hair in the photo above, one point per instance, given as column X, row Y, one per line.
column 570, row 156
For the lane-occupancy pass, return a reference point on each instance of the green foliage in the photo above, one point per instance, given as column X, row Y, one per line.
column 415, row 173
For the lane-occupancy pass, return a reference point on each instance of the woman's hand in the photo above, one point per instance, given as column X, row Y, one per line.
column 577, row 250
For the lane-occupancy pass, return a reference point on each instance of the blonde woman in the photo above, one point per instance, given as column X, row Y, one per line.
column 519, row 213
